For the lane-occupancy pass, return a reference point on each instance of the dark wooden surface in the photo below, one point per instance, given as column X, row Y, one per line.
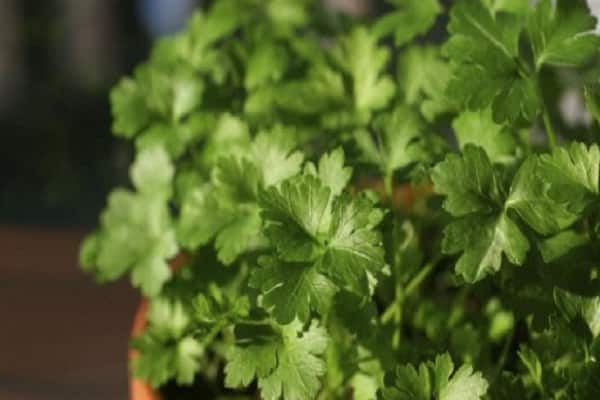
column 61, row 335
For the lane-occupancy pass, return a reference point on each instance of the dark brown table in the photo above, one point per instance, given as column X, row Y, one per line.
column 61, row 336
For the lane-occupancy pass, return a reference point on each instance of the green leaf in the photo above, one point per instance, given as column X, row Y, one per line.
column 551, row 191
column 287, row 365
column 273, row 152
column 319, row 92
column 166, row 350
column 560, row 244
column 227, row 209
column 399, row 141
column 573, row 307
column 294, row 213
column 473, row 20
column 479, row 129
column 267, row 64
column 136, row 232
column 153, row 172
column 484, row 231
column 468, row 182
column 332, row 171
column 435, row 380
column 292, row 289
column 592, row 100
column 559, row 38
column 413, row 18
column 187, row 95
column 483, row 240
column 513, row 6
column 339, row 239
column 129, row 109
column 531, row 361
column 365, row 62
column 423, row 77
column 230, row 137
column 353, row 249
column 483, row 49
column 222, row 19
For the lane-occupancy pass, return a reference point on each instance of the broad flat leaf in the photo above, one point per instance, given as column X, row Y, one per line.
column 339, row 239
column 561, row 244
column 292, row 289
column 129, row 109
column 562, row 39
column 464, row 385
column 483, row 240
column 423, row 76
column 187, row 94
column 365, row 62
column 435, row 380
column 413, row 18
column 153, row 172
column 592, row 100
column 468, row 182
column 273, row 153
column 332, row 171
column 473, row 20
column 551, row 191
column 166, row 350
column 201, row 217
column 573, row 307
column 483, row 48
column 267, row 64
column 353, row 248
column 222, row 19
column 484, row 231
column 227, row 209
column 218, row 305
column 177, row 136
column 287, row 365
column 246, row 363
column 230, row 137
column 242, row 233
column 294, row 212
column 321, row 91
column 136, row 232
column 479, row 129
column 310, row 228
column 397, row 143
column 519, row 7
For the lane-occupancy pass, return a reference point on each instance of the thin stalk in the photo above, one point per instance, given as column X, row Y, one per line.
column 393, row 308
column 549, row 129
column 388, row 187
column 503, row 356
column 418, row 279
column 402, row 293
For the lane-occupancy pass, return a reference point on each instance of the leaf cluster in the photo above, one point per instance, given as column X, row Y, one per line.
column 364, row 212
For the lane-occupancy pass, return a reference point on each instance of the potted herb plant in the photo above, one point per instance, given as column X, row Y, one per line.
column 361, row 209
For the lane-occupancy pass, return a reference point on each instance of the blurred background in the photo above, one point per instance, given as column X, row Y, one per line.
column 62, row 336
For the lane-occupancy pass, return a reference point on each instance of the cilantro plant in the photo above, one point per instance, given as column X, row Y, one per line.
column 365, row 211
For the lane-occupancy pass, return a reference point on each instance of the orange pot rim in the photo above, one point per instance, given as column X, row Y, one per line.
column 138, row 388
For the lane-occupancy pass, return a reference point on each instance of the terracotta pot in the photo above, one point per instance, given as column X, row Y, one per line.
column 139, row 389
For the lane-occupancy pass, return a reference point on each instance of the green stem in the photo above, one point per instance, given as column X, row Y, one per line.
column 393, row 308
column 388, row 187
column 418, row 279
column 503, row 356
column 549, row 129
column 409, row 289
